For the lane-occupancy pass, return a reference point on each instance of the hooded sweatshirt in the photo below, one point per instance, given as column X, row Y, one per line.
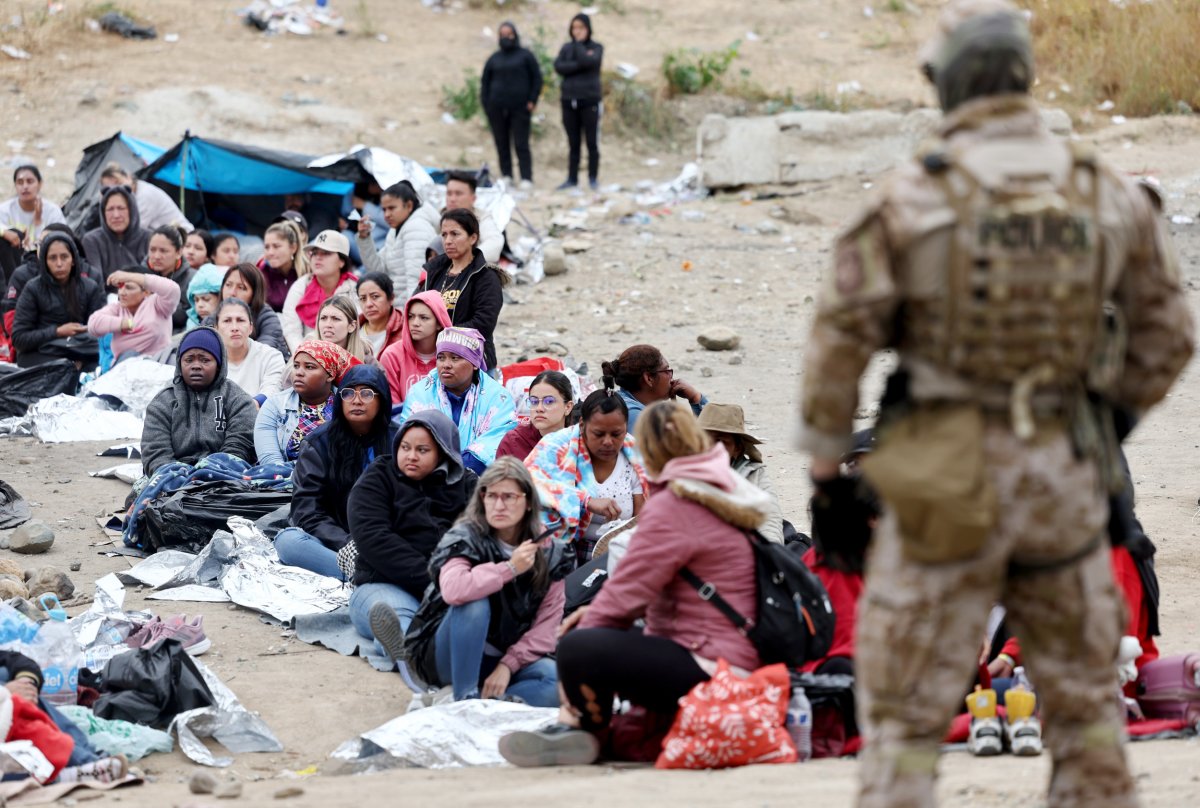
column 579, row 65
column 207, row 280
column 718, row 507
column 511, row 77
column 184, row 425
column 401, row 362
column 109, row 251
column 44, row 305
column 397, row 521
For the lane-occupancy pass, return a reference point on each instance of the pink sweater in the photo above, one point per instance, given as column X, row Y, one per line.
column 151, row 322
column 647, row 583
column 461, row 583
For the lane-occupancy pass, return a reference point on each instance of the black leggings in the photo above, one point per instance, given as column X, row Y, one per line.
column 581, row 119
column 594, row 664
column 510, row 128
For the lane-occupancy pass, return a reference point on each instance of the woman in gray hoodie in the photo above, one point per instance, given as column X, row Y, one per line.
column 202, row 412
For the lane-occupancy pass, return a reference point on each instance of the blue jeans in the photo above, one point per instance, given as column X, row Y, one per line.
column 83, row 751
column 459, row 645
column 299, row 549
column 367, row 595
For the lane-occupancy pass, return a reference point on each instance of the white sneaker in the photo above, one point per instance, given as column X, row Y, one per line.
column 986, row 738
column 526, row 185
column 1025, row 737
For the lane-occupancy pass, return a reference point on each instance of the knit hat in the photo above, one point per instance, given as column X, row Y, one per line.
column 205, row 339
column 465, row 342
column 333, row 358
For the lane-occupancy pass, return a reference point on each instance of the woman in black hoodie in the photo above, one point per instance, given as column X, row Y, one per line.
column 399, row 510
column 120, row 240
column 56, row 304
column 331, row 460
column 509, row 90
column 578, row 63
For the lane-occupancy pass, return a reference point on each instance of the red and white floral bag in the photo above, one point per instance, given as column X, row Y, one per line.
column 730, row 721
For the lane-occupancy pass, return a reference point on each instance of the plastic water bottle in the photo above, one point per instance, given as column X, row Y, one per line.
column 57, row 651
column 799, row 724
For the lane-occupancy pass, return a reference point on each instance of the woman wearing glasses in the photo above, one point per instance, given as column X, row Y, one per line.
column 589, row 474
column 550, row 403
column 334, row 456
column 644, row 378
column 487, row 626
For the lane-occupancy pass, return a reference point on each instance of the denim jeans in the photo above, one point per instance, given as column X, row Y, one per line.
column 299, row 549
column 83, row 751
column 461, row 662
column 367, row 595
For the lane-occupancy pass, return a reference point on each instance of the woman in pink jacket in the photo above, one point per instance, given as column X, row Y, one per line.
column 140, row 320
column 697, row 517
column 487, row 625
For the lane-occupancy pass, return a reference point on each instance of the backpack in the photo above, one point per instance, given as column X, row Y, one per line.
column 795, row 619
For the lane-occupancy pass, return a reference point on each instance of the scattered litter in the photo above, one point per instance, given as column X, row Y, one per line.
column 14, row 52
column 848, row 87
column 868, row 12
column 693, row 215
column 449, row 119
column 751, row 36
column 170, row 37
column 1179, row 218
column 684, row 188
column 125, row 472
column 1118, row 119
column 290, row 16
column 117, row 23
column 1106, row 106
column 627, row 71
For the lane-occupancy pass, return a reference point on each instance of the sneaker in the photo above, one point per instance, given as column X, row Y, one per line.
column 104, row 770
column 557, row 745
column 594, row 185
column 145, row 634
column 385, row 625
column 1023, row 730
column 569, row 185
column 986, row 737
column 526, row 185
column 190, row 634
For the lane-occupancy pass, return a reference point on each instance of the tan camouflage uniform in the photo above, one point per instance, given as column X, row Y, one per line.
column 920, row 623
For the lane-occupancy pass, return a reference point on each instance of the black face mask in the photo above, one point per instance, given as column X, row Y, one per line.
column 508, row 43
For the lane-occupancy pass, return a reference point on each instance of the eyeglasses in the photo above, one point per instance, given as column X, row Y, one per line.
column 667, row 371
column 548, row 401
column 507, row 498
column 366, row 394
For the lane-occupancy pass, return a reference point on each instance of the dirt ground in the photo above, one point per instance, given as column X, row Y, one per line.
column 325, row 92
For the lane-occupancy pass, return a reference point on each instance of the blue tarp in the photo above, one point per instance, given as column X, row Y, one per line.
column 216, row 168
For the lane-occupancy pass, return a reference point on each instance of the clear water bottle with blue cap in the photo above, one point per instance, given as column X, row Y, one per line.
column 57, row 651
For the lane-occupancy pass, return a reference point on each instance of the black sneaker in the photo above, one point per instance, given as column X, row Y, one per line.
column 385, row 625
column 567, row 186
column 556, row 745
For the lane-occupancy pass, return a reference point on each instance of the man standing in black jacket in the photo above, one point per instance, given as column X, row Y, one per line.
column 509, row 89
column 579, row 65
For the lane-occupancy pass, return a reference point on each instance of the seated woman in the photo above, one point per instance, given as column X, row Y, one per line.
column 283, row 262
column 490, row 563
column 120, row 240
column 645, row 377
column 202, row 413
column 140, row 319
column 332, row 459
column 477, row 404
column 411, row 360
column 227, row 250
column 472, row 288
column 337, row 322
column 288, row 417
column 56, row 304
column 245, row 282
column 684, row 635
column 380, row 324
column 329, row 254
column 411, row 226
column 198, row 248
column 253, row 366
column 203, row 295
column 23, row 217
column 589, row 474
column 550, row 403
column 726, row 425
column 398, row 512
column 164, row 257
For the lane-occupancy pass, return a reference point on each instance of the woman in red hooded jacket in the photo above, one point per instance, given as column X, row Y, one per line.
column 408, row 361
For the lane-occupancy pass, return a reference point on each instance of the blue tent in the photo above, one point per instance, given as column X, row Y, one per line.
column 128, row 152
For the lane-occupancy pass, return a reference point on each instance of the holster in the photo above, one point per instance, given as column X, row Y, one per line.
column 929, row 468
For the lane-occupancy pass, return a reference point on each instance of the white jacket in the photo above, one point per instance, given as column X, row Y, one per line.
column 295, row 331
column 491, row 237
column 403, row 254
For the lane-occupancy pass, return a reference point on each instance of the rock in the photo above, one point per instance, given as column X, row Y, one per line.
column 767, row 228
column 10, row 567
column 290, row 791
column 50, row 579
column 77, row 566
column 228, row 791
column 12, row 587
column 612, row 328
column 736, row 359
column 203, row 782
column 31, row 538
column 706, row 373
column 572, row 246
column 621, row 207
column 554, row 260
column 719, row 338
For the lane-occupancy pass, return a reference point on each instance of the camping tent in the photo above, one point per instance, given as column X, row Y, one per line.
column 132, row 154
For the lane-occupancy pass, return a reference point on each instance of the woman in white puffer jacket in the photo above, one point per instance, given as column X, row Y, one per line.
column 413, row 226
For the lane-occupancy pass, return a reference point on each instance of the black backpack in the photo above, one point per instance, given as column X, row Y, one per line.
column 795, row 619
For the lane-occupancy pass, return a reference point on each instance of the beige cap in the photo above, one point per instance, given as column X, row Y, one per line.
column 331, row 241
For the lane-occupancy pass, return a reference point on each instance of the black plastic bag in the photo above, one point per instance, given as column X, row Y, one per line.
column 150, row 685
column 117, row 23
column 187, row 518
column 14, row 510
column 79, row 348
column 21, row 388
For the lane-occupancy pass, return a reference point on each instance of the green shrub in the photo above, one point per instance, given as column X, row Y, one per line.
column 637, row 110
column 463, row 102
column 689, row 71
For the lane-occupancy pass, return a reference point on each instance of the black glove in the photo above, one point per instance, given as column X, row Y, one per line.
column 842, row 513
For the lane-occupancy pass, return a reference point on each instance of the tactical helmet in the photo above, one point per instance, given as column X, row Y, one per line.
column 980, row 48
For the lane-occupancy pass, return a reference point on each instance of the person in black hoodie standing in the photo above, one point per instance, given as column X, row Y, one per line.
column 578, row 63
column 509, row 89
column 398, row 511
